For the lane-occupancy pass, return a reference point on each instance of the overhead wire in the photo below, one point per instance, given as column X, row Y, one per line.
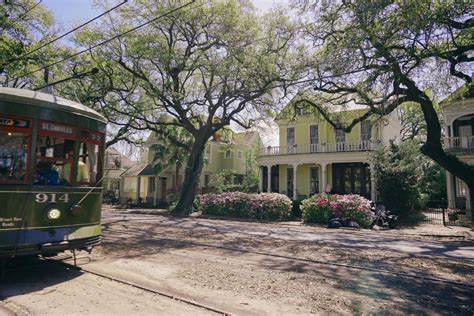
column 108, row 40
column 65, row 34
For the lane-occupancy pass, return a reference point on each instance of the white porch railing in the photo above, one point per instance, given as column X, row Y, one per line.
column 319, row 148
column 463, row 142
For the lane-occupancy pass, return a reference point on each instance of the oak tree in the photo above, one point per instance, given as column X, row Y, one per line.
column 383, row 53
column 206, row 65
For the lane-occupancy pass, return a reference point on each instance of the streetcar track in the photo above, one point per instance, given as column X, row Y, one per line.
column 60, row 261
column 313, row 261
column 141, row 287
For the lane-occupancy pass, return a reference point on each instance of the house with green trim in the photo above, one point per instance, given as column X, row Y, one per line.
column 458, row 115
column 226, row 151
column 315, row 157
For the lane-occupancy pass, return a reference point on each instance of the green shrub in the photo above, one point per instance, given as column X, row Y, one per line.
column 263, row 206
column 407, row 180
column 321, row 208
column 316, row 209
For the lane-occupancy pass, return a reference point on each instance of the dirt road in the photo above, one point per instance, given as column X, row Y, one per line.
column 252, row 269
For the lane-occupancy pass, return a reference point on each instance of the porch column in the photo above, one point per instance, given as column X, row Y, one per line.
column 138, row 190
column 260, row 177
column 269, row 178
column 202, row 179
column 373, row 195
column 295, row 194
column 468, row 200
column 155, row 194
column 323, row 178
column 450, row 185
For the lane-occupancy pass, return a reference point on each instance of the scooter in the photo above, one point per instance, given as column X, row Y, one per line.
column 383, row 218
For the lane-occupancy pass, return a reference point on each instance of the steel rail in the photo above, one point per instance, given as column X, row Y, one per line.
column 140, row 287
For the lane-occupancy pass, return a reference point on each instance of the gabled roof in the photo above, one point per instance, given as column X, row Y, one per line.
column 135, row 170
column 463, row 93
column 112, row 154
column 331, row 104
column 147, row 171
column 113, row 173
column 245, row 138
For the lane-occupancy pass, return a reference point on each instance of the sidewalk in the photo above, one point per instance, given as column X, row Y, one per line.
column 437, row 232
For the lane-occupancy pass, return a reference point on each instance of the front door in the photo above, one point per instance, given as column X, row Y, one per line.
column 351, row 178
column 289, row 182
column 313, row 180
column 465, row 133
column 163, row 188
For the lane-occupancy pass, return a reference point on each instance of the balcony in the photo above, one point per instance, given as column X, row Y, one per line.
column 463, row 142
column 319, row 148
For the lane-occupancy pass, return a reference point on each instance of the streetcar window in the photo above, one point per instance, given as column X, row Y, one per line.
column 53, row 147
column 88, row 163
column 13, row 156
column 54, row 157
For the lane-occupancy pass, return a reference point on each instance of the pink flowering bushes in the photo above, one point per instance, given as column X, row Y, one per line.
column 321, row 208
column 263, row 206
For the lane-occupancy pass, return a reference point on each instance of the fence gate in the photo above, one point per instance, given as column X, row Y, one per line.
column 447, row 217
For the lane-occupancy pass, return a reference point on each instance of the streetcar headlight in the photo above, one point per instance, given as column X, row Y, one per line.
column 53, row 213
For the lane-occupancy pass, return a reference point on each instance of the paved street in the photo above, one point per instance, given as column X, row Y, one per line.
column 246, row 268
column 346, row 238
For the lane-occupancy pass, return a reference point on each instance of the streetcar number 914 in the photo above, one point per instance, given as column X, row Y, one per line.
column 51, row 198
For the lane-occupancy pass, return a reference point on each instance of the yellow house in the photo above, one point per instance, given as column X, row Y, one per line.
column 228, row 150
column 314, row 157
column 458, row 112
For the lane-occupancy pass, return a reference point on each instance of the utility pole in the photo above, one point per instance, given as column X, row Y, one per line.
column 47, row 87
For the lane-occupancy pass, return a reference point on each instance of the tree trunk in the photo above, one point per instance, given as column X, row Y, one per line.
column 176, row 177
column 192, row 173
column 471, row 194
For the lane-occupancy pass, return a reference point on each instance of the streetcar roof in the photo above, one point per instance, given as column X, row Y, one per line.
column 48, row 101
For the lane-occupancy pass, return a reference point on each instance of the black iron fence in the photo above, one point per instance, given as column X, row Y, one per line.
column 438, row 213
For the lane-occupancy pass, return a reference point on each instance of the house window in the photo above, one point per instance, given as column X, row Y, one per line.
column 313, row 180
column 299, row 111
column 228, row 153
column 290, row 139
column 207, row 153
column 289, row 182
column 460, row 188
column 206, row 180
column 239, row 154
column 313, row 138
column 340, row 139
column 151, row 184
column 340, row 135
column 365, row 130
column 290, row 136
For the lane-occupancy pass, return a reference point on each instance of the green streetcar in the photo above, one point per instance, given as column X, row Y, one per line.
column 51, row 157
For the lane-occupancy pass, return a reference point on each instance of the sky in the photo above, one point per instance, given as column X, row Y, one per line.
column 70, row 13
column 73, row 12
